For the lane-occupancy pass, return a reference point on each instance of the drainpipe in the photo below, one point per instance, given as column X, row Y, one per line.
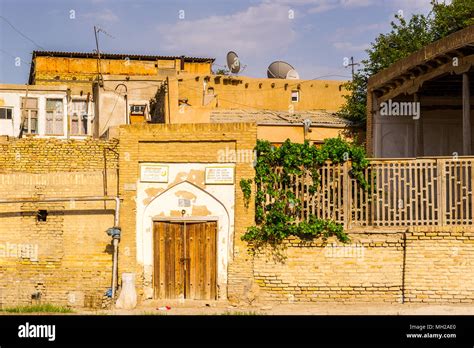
column 114, row 232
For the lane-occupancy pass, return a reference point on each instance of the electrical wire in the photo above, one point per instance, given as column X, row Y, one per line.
column 20, row 33
column 14, row 57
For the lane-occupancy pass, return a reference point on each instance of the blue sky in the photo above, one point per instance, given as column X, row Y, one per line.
column 315, row 41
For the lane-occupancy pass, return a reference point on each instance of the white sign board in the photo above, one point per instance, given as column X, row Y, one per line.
column 153, row 173
column 220, row 175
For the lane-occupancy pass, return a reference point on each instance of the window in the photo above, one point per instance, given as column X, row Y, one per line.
column 79, row 117
column 295, row 96
column 29, row 115
column 54, row 117
column 137, row 110
column 6, row 113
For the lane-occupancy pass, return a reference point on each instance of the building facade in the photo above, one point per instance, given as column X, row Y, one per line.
column 45, row 111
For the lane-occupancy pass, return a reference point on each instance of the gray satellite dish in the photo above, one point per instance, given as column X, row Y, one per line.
column 233, row 62
column 281, row 70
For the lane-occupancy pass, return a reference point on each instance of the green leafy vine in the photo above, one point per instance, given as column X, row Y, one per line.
column 246, row 187
column 276, row 205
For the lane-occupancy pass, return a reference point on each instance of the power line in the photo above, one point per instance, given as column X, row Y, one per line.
column 14, row 57
column 20, row 33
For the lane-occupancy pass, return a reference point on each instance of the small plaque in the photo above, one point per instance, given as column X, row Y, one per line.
column 184, row 203
column 154, row 173
column 222, row 175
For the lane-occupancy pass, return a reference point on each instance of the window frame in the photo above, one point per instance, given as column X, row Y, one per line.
column 7, row 108
column 26, row 115
column 297, row 92
column 80, row 118
column 54, row 118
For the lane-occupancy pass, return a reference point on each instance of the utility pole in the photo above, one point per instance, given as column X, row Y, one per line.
column 352, row 65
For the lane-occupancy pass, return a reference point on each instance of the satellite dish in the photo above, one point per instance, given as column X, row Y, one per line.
column 233, row 62
column 292, row 75
column 281, row 70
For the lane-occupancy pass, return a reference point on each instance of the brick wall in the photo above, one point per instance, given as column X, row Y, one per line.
column 66, row 258
column 440, row 264
column 167, row 143
column 44, row 155
column 425, row 264
column 368, row 269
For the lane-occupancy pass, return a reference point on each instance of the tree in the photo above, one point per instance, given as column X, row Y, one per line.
column 405, row 37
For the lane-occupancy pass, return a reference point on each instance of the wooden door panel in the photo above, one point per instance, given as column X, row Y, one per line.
column 201, row 251
column 168, row 251
column 185, row 260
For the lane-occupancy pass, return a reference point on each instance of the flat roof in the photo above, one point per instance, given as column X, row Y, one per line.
column 116, row 56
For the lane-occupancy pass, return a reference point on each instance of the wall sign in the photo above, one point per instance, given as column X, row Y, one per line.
column 220, row 175
column 153, row 172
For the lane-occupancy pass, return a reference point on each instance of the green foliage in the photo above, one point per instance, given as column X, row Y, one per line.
column 277, row 220
column 246, row 187
column 41, row 308
column 405, row 38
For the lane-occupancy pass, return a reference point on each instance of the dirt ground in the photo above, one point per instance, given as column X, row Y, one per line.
column 225, row 308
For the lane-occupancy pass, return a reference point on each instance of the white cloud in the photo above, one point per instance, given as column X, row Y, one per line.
column 350, row 46
column 263, row 29
column 106, row 15
column 319, row 6
column 410, row 6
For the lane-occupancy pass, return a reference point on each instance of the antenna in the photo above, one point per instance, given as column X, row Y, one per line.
column 282, row 70
column 98, row 30
column 233, row 62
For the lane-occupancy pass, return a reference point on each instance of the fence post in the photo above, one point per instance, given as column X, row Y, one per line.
column 440, row 168
column 346, row 196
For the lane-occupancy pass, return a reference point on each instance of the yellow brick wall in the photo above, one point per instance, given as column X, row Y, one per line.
column 440, row 265
column 35, row 155
column 73, row 265
column 426, row 264
column 161, row 146
column 368, row 269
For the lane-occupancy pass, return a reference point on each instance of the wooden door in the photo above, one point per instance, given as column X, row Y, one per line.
column 201, row 255
column 185, row 260
column 168, row 259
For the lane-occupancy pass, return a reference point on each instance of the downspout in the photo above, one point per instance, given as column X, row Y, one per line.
column 115, row 233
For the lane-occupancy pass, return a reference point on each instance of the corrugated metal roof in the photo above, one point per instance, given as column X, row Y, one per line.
column 115, row 56
column 262, row 117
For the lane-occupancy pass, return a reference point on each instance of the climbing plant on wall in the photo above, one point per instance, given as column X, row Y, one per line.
column 276, row 205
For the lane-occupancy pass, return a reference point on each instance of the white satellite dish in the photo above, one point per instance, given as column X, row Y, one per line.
column 293, row 75
column 233, row 62
column 281, row 70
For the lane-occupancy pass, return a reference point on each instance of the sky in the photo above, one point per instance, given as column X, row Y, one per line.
column 314, row 36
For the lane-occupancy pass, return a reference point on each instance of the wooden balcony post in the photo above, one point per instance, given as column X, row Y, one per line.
column 346, row 196
column 441, row 183
column 419, row 147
